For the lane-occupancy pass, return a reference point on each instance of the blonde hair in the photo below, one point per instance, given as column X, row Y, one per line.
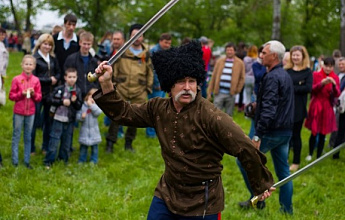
column 305, row 57
column 252, row 52
column 45, row 38
column 28, row 56
column 86, row 36
column 90, row 92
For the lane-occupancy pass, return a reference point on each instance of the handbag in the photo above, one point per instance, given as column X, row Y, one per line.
column 2, row 97
column 249, row 110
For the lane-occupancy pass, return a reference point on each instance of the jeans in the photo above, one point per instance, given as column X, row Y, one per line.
column 83, row 153
column 225, row 101
column 18, row 121
column 279, row 147
column 60, row 131
column 47, row 121
column 151, row 132
column 159, row 211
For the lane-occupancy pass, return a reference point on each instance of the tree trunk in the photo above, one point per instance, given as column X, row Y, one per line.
column 342, row 27
column 276, row 20
column 16, row 22
column 28, row 15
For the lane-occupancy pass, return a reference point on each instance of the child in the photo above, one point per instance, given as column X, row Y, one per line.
column 89, row 134
column 65, row 101
column 25, row 92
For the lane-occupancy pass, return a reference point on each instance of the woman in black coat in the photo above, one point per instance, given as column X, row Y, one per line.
column 298, row 68
column 48, row 71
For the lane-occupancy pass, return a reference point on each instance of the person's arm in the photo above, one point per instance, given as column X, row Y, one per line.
column 233, row 141
column 268, row 105
column 149, row 76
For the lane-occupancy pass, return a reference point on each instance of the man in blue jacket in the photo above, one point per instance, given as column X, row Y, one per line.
column 274, row 120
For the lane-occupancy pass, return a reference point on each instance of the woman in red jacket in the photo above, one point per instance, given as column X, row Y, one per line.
column 321, row 118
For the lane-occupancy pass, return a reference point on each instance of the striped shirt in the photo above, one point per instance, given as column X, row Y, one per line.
column 225, row 78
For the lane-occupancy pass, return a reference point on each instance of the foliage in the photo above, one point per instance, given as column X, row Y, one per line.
column 121, row 186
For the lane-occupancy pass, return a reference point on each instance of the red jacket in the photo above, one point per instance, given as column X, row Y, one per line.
column 321, row 117
column 23, row 105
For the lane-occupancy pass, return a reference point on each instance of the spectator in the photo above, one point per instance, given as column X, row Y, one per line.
column 25, row 92
column 227, row 80
column 48, row 71
column 298, row 68
column 321, row 119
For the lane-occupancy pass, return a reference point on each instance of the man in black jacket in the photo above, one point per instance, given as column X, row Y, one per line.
column 66, row 41
column 274, row 119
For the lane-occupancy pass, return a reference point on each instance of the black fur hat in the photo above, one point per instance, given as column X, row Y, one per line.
column 179, row 62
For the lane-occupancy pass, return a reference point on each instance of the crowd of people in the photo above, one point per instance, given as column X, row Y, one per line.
column 270, row 84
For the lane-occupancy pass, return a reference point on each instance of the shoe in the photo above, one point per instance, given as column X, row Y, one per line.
column 294, row 167
column 15, row 165
column 308, row 158
column 110, row 147
column 248, row 205
column 28, row 166
column 128, row 145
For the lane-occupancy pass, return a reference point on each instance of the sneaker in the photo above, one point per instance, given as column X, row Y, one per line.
column 248, row 205
column 308, row 158
column 28, row 166
column 294, row 167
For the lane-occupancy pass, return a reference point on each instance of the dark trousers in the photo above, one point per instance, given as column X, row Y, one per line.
column 159, row 211
column 320, row 144
column 44, row 122
column 0, row 158
column 341, row 133
column 296, row 142
column 113, row 130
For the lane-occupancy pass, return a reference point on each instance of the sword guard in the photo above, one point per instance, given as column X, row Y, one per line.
column 92, row 77
column 255, row 199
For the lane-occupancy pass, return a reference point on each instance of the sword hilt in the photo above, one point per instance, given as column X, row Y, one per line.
column 255, row 199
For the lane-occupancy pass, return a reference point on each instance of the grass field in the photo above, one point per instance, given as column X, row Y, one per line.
column 121, row 186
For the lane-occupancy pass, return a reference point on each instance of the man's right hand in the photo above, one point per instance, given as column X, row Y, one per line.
column 105, row 75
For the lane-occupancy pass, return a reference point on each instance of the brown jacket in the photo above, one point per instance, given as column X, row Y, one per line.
column 193, row 143
column 134, row 74
column 237, row 77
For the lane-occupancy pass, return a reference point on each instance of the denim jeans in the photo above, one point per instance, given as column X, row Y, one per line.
column 46, row 121
column 83, row 153
column 151, row 132
column 159, row 211
column 279, row 147
column 18, row 121
column 60, row 132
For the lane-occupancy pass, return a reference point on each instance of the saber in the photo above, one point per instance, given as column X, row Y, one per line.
column 91, row 77
column 255, row 199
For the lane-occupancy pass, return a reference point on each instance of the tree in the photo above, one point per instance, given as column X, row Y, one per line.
column 276, row 20
column 342, row 27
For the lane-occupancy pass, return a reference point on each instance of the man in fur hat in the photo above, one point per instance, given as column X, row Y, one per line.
column 193, row 134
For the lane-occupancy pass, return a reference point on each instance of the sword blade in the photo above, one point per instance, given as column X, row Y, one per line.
column 142, row 30
column 307, row 167
column 255, row 199
column 93, row 76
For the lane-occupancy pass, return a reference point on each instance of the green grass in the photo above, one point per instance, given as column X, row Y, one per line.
column 121, row 186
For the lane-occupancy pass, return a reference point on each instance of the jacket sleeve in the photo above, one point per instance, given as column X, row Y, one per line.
column 95, row 110
column 78, row 115
column 56, row 71
column 37, row 97
column 15, row 93
column 149, row 76
column 234, row 142
column 79, row 102
column 269, row 105
column 241, row 78
column 54, row 99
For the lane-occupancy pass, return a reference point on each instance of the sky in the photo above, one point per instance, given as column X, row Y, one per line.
column 45, row 17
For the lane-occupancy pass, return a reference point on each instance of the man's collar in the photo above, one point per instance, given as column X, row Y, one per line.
column 60, row 37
